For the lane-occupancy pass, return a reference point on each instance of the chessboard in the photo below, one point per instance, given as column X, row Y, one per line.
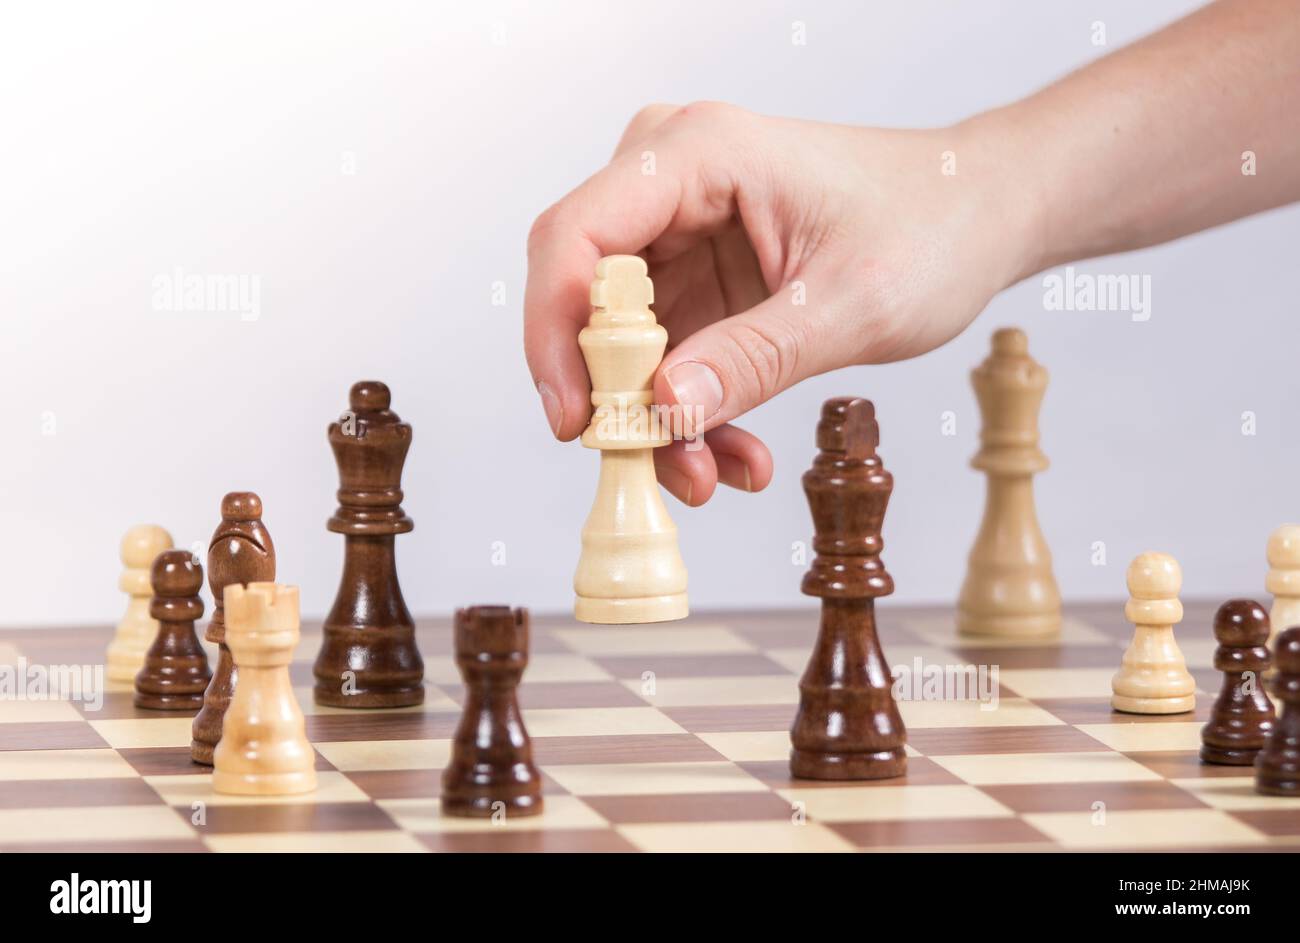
column 670, row 737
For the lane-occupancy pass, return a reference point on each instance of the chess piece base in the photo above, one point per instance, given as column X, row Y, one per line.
column 1223, row 757
column 630, row 611
column 1039, row 625
column 1153, row 705
column 1289, row 788
column 168, row 702
column 886, row 764
column 201, row 752
column 264, row 784
column 390, row 672
column 485, row 806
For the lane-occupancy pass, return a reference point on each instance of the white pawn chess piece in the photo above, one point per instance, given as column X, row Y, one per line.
column 137, row 630
column 264, row 749
column 1009, row 590
column 630, row 569
column 1153, row 678
column 1283, row 579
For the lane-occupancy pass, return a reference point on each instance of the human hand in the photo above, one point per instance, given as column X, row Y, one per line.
column 779, row 249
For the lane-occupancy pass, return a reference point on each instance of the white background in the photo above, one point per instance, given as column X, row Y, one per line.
column 138, row 138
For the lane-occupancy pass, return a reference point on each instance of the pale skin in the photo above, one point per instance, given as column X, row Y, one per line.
column 893, row 257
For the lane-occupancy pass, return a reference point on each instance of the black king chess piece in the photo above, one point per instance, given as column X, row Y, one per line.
column 368, row 656
column 847, row 726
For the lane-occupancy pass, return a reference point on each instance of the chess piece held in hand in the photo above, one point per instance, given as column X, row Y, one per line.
column 1153, row 678
column 264, row 749
column 368, row 655
column 1242, row 716
column 1009, row 590
column 175, row 672
column 630, row 569
column 137, row 630
column 848, row 725
column 1277, row 767
column 240, row 552
column 491, row 766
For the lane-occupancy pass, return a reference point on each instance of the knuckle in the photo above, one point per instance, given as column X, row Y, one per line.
column 768, row 358
column 548, row 220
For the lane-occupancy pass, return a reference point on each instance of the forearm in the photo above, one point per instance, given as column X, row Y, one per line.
column 1148, row 144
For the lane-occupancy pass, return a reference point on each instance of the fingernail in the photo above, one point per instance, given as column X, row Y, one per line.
column 551, row 403
column 749, row 482
column 696, row 387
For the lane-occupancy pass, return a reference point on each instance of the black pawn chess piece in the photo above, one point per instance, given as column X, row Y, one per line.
column 368, row 657
column 847, row 725
column 1242, row 716
column 1277, row 767
column 240, row 552
column 491, row 766
column 175, row 672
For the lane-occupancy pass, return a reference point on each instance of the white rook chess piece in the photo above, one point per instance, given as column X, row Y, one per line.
column 1283, row 579
column 1153, row 678
column 264, row 749
column 630, row 569
column 1009, row 591
column 137, row 630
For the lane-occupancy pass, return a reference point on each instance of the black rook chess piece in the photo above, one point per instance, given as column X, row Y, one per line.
column 847, row 725
column 1242, row 717
column 368, row 656
column 491, row 764
column 1277, row 767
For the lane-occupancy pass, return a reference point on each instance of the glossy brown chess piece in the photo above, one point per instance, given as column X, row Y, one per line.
column 1242, row 716
column 491, row 768
column 847, row 725
column 368, row 657
column 240, row 552
column 175, row 671
column 1277, row 767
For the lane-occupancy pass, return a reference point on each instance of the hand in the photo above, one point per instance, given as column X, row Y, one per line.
column 779, row 250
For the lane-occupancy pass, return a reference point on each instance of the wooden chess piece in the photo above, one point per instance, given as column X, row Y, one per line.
column 491, row 764
column 1153, row 678
column 630, row 569
column 1009, row 591
column 175, row 672
column 1283, row 581
column 264, row 749
column 137, row 630
column 1242, row 717
column 240, row 552
column 368, row 656
column 1277, row 767
column 848, row 725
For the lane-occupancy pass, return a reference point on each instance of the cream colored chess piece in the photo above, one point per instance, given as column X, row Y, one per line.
column 630, row 569
column 1283, row 579
column 263, row 749
column 1153, row 678
column 1009, row 591
column 137, row 630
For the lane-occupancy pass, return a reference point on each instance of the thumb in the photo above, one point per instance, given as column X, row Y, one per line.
column 739, row 362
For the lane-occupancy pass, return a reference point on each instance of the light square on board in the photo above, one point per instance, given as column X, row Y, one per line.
column 92, row 824
column 633, row 640
column 169, row 730
column 1045, row 768
column 425, row 815
column 852, row 803
column 38, row 712
column 942, row 630
column 560, row 666
column 750, row 747
column 186, row 790
column 713, row 692
column 1237, row 794
column 1059, row 682
column 734, row 837
column 385, row 842
column 1146, row 738
column 1004, row 712
column 351, row 755
column 1148, row 828
column 63, row 764
column 612, row 721
column 629, row 779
